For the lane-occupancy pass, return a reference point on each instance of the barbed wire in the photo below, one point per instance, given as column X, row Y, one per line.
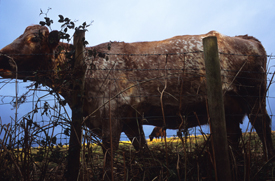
column 136, row 96
column 134, row 80
column 186, row 71
column 97, row 97
column 139, row 54
column 142, row 54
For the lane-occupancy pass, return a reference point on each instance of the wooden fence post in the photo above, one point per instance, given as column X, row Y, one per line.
column 77, row 107
column 216, row 108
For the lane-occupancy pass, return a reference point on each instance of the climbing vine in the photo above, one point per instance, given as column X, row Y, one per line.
column 66, row 24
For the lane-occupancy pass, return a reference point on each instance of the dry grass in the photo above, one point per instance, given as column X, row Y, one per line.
column 187, row 159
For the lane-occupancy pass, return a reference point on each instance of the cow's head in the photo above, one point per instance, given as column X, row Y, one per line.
column 30, row 52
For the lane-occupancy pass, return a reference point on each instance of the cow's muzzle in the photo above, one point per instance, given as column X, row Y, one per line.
column 7, row 66
column 7, row 63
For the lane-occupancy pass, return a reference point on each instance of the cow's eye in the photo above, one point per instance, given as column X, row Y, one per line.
column 35, row 39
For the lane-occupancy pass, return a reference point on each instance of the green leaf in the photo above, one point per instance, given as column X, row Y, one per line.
column 84, row 24
column 41, row 12
column 61, row 17
column 67, row 20
column 85, row 43
column 42, row 23
column 71, row 25
column 63, row 25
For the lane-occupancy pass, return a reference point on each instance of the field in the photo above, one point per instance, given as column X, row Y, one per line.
column 189, row 158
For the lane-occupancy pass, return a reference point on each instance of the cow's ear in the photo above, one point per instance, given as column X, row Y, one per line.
column 53, row 39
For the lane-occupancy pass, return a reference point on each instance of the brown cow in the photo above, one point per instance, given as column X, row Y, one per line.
column 150, row 82
column 157, row 132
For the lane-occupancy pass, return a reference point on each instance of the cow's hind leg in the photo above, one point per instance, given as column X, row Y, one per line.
column 261, row 122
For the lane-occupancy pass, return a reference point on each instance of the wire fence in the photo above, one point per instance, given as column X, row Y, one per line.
column 46, row 121
column 25, row 97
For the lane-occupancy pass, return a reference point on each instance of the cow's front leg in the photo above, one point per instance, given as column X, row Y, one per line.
column 110, row 143
column 134, row 131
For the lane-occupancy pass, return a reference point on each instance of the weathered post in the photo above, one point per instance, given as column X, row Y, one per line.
column 216, row 108
column 77, row 111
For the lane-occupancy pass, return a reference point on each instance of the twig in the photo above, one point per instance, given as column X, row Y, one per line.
column 236, row 76
column 111, row 136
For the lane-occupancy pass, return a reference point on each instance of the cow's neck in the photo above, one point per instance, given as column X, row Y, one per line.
column 60, row 77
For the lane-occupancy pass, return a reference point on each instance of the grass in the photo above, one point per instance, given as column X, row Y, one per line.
column 186, row 159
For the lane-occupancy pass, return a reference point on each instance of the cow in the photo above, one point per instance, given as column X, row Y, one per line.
column 160, row 83
column 157, row 132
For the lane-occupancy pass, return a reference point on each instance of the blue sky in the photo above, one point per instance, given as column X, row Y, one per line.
column 143, row 20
